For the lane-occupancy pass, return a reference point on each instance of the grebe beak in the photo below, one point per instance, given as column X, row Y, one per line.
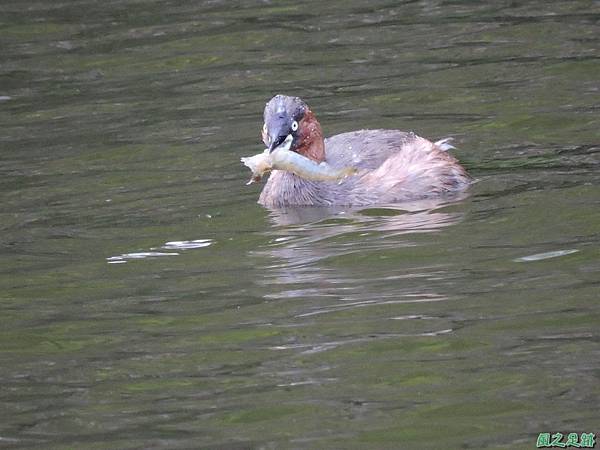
column 276, row 141
column 279, row 131
column 285, row 143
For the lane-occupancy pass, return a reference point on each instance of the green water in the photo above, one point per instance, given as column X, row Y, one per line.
column 147, row 301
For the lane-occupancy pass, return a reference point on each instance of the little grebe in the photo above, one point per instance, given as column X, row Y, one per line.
column 393, row 166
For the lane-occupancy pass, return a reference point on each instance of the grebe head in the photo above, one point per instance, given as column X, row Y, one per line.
column 291, row 125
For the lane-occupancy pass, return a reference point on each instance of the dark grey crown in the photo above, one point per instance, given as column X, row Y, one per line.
column 292, row 107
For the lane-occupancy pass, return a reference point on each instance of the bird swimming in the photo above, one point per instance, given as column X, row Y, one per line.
column 389, row 166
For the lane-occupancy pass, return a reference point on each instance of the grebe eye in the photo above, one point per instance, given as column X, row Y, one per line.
column 294, row 125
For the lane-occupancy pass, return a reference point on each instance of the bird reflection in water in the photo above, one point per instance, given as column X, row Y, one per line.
column 318, row 253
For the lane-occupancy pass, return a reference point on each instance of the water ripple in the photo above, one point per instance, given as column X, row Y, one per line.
column 139, row 255
column 197, row 243
column 546, row 255
column 153, row 253
column 324, row 346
